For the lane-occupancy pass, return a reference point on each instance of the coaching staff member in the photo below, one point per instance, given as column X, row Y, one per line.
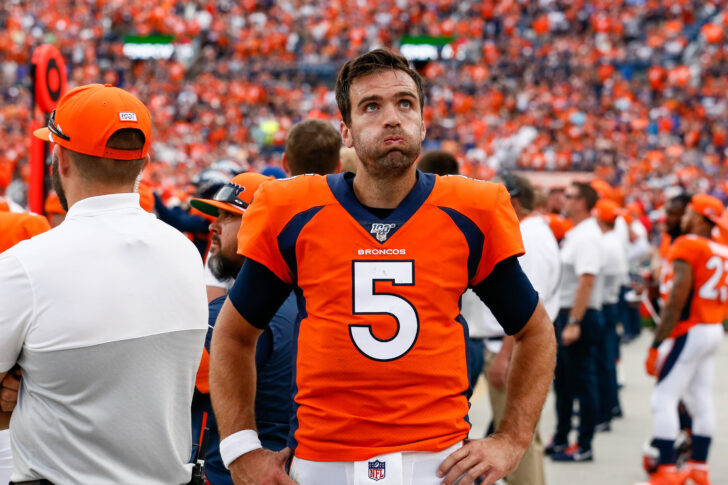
column 105, row 314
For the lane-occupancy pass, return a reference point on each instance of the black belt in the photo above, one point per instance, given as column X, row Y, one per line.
column 494, row 339
column 33, row 482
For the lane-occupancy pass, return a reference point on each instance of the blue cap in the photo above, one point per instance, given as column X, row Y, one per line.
column 271, row 171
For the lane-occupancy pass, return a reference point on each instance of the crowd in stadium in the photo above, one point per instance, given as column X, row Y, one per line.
column 630, row 90
column 628, row 95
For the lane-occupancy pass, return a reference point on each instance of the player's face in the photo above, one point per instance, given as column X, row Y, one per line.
column 689, row 221
column 225, row 262
column 572, row 202
column 673, row 216
column 386, row 129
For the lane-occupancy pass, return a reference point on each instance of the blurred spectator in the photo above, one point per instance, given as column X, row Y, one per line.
column 312, row 146
column 652, row 115
column 439, row 162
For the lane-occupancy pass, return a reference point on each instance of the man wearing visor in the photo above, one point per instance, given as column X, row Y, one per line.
column 273, row 354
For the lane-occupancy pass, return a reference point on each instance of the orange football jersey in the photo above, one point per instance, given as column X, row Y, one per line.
column 709, row 293
column 381, row 356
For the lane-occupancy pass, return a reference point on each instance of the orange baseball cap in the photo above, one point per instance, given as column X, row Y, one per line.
column 53, row 205
column 607, row 210
column 559, row 225
column 87, row 116
column 234, row 196
column 708, row 206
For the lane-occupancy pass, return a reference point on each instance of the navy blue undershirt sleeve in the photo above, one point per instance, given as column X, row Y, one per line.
column 180, row 219
column 508, row 293
column 264, row 348
column 258, row 293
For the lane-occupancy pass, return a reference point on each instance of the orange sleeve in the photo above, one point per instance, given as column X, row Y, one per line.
column 262, row 221
column 498, row 221
column 202, row 382
column 685, row 249
column 35, row 225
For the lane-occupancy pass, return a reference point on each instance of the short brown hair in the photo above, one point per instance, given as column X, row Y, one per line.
column 439, row 162
column 521, row 188
column 587, row 193
column 108, row 171
column 313, row 146
column 370, row 63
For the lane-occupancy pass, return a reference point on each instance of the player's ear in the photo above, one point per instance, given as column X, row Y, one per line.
column 346, row 135
column 64, row 160
column 423, row 131
column 284, row 164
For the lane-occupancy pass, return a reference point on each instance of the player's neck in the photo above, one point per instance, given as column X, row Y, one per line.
column 701, row 233
column 383, row 193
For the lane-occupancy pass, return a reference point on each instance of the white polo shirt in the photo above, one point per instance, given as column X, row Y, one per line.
column 615, row 266
column 106, row 315
column 582, row 253
column 541, row 265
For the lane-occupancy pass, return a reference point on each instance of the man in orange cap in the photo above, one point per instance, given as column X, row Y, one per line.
column 274, row 349
column 116, row 303
column 684, row 366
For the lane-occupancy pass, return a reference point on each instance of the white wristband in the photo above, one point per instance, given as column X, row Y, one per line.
column 238, row 444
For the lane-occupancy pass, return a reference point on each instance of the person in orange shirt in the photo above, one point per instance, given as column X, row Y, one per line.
column 19, row 226
column 379, row 261
column 684, row 366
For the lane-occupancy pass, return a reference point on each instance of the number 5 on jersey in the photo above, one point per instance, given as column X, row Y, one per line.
column 366, row 301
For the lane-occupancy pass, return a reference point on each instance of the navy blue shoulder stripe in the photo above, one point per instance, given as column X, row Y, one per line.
column 289, row 236
column 473, row 235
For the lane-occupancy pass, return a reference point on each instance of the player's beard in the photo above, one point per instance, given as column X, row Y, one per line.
column 57, row 184
column 223, row 268
column 384, row 162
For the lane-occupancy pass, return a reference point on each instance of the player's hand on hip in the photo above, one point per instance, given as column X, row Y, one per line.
column 9, row 391
column 262, row 467
column 570, row 334
column 491, row 458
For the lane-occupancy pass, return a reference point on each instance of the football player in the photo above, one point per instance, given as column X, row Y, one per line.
column 379, row 260
column 687, row 339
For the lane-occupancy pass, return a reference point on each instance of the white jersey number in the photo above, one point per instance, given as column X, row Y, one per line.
column 367, row 302
column 715, row 288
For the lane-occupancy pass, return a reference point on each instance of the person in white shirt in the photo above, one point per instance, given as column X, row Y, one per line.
column 638, row 251
column 105, row 315
column 607, row 213
column 542, row 266
column 579, row 326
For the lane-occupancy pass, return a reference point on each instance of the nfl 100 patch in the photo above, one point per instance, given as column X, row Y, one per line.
column 381, row 230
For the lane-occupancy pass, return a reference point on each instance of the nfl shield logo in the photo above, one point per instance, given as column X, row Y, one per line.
column 381, row 230
column 376, row 470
